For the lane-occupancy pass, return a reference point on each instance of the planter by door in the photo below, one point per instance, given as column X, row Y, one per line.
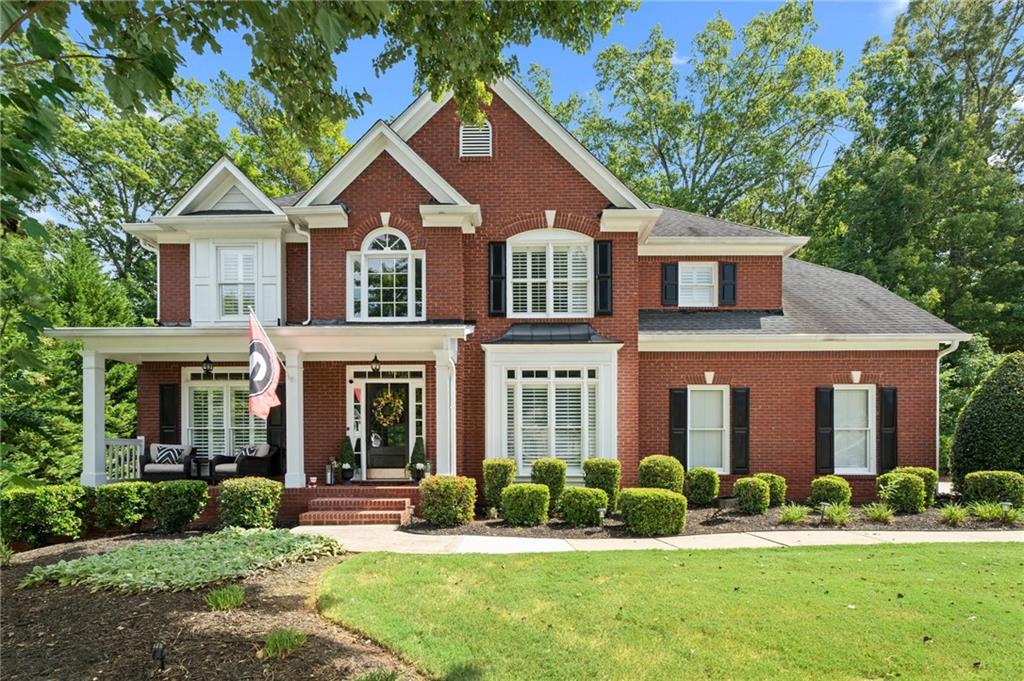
column 387, row 446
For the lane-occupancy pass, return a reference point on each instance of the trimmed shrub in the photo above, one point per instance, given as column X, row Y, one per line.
column 249, row 502
column 701, row 486
column 121, row 504
column 661, row 472
column 830, row 489
column 498, row 474
column 31, row 514
column 929, row 476
column 776, row 488
column 580, row 506
column 550, row 472
column 752, row 495
column 994, row 486
column 525, row 504
column 447, row 500
column 902, row 492
column 651, row 512
column 990, row 429
column 604, row 474
column 176, row 503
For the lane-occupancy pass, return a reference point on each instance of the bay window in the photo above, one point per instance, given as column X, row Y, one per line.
column 551, row 274
column 854, row 429
column 386, row 279
column 707, row 431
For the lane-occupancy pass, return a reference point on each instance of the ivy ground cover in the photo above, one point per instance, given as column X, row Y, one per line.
column 938, row 611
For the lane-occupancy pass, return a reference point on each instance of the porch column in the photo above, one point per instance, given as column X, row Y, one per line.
column 444, row 408
column 94, row 378
column 295, row 473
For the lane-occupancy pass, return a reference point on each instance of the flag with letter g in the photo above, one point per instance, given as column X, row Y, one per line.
column 264, row 371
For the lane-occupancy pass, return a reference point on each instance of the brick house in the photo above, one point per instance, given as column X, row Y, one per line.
column 521, row 302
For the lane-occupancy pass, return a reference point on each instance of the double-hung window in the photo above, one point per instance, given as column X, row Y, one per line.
column 551, row 274
column 551, row 412
column 386, row 279
column 854, row 429
column 698, row 286
column 236, row 280
column 707, row 426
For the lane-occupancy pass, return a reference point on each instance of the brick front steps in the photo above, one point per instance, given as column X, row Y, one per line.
column 362, row 504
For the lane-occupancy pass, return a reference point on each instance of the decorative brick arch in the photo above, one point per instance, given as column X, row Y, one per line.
column 414, row 232
column 526, row 222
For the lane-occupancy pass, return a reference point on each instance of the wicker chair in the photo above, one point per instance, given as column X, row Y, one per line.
column 151, row 471
column 264, row 462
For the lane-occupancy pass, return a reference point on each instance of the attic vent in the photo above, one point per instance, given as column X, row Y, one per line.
column 475, row 140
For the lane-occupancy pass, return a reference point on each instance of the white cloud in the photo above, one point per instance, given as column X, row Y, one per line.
column 679, row 59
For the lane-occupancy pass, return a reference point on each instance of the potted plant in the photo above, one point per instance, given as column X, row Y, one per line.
column 417, row 467
column 347, row 459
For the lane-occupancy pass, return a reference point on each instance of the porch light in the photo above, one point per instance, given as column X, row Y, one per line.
column 207, row 367
column 375, row 366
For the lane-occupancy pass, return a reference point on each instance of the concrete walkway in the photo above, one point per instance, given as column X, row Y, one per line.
column 362, row 538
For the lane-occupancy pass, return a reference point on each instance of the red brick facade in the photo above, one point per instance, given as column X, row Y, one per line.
column 758, row 280
column 175, row 294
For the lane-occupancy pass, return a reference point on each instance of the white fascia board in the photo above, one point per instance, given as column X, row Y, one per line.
column 417, row 114
column 378, row 139
column 467, row 218
column 668, row 342
column 783, row 246
column 639, row 220
column 318, row 217
column 216, row 182
column 182, row 229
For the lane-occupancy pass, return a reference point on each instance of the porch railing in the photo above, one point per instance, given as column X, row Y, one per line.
column 123, row 459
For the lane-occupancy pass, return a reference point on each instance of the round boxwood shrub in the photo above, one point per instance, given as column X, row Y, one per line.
column 498, row 474
column 447, row 500
column 902, row 492
column 176, row 503
column 661, row 472
column 830, row 489
column 31, row 514
column 550, row 472
column 120, row 504
column 525, row 504
column 702, row 486
column 752, row 495
column 776, row 488
column 652, row 512
column 604, row 474
column 990, row 429
column 249, row 502
column 580, row 506
column 929, row 476
column 995, row 486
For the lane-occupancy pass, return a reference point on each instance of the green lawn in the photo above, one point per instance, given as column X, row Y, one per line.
column 848, row 612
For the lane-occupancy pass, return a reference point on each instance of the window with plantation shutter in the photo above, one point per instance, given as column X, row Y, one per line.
column 246, row 429
column 236, row 277
column 475, row 141
column 207, row 420
column 218, row 414
column 697, row 284
column 551, row 275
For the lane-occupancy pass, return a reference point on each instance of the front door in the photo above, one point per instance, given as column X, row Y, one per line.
column 387, row 443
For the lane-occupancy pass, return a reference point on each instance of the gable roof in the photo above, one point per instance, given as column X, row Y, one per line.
column 224, row 190
column 378, row 139
column 520, row 101
column 675, row 222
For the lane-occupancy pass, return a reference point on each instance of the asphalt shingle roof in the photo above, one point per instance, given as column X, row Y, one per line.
column 815, row 300
column 675, row 222
column 288, row 199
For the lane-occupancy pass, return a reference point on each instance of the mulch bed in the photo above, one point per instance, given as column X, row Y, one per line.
column 700, row 521
column 70, row 633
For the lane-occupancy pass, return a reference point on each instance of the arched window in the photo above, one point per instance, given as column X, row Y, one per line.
column 551, row 274
column 386, row 279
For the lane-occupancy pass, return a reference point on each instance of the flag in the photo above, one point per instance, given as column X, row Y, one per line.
column 264, row 371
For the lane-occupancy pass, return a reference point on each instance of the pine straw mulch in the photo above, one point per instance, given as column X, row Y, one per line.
column 69, row 633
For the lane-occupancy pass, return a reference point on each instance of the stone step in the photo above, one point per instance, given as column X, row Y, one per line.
column 358, row 504
column 355, row 517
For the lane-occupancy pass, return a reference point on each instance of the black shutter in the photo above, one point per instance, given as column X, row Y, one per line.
column 740, row 425
column 726, row 283
column 670, row 283
column 496, row 279
column 677, row 424
column 170, row 409
column 276, row 422
column 603, row 277
column 887, row 432
column 824, row 459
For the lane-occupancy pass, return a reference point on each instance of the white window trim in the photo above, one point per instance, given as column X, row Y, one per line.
column 356, row 416
column 871, row 429
column 362, row 254
column 252, row 246
column 490, row 141
column 549, row 238
column 714, row 282
column 726, row 426
column 186, row 403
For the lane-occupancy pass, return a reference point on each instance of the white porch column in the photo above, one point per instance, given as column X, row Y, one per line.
column 444, row 408
column 295, row 473
column 94, row 379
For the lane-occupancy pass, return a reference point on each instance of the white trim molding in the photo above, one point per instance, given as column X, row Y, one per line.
column 639, row 220
column 724, row 391
column 549, row 239
column 214, row 184
column 783, row 246
column 724, row 342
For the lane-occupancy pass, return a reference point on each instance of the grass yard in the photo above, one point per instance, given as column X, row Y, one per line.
column 939, row 611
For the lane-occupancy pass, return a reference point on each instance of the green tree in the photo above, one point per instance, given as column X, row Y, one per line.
column 961, row 373
column 737, row 137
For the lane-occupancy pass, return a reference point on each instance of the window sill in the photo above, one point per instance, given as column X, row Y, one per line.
column 853, row 473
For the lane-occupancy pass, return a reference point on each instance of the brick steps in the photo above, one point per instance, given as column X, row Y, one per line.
column 362, row 505
column 358, row 504
column 355, row 517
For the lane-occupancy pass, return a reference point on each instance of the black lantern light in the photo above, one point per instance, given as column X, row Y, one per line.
column 375, row 366
column 207, row 367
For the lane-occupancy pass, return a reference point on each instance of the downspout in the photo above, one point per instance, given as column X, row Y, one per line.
column 309, row 269
column 953, row 345
column 452, row 424
column 155, row 251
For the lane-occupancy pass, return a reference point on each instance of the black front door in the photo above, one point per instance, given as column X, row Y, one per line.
column 387, row 446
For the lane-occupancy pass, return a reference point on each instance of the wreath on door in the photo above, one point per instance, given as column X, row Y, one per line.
column 388, row 408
